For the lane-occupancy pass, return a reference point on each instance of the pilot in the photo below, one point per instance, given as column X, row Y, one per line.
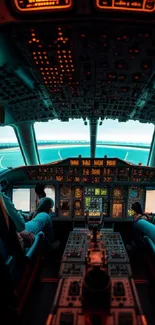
column 138, row 212
column 40, row 221
column 138, row 215
column 40, row 192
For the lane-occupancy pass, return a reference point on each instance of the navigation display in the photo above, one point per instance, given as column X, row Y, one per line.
column 96, row 200
column 35, row 5
column 132, row 5
column 117, row 210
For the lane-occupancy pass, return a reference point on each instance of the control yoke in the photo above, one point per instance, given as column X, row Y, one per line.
column 94, row 225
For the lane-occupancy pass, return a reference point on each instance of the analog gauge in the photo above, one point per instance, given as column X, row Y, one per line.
column 65, row 191
column 117, row 193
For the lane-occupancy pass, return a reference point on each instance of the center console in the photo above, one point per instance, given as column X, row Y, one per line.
column 96, row 284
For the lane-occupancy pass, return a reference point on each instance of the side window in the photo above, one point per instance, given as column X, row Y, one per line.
column 10, row 153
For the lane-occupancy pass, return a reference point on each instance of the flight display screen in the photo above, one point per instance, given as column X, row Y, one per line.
column 25, row 198
column 35, row 5
column 117, row 210
column 132, row 5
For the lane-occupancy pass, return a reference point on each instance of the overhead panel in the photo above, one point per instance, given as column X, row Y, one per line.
column 91, row 71
column 130, row 5
column 42, row 5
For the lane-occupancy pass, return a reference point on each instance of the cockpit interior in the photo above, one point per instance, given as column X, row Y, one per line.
column 88, row 258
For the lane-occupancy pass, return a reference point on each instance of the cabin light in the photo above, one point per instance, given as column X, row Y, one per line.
column 47, row 62
column 45, row 57
column 46, row 68
column 35, row 58
column 67, row 66
column 37, row 62
column 51, row 68
column 60, row 33
column 61, row 66
column 43, row 73
column 47, row 73
column 45, row 82
column 39, row 45
column 34, row 39
column 44, row 53
column 66, row 61
column 40, row 57
column 42, row 62
column 34, row 53
column 59, row 28
column 41, row 69
column 30, row 42
column 56, row 72
column 55, row 68
column 59, row 57
column 64, row 56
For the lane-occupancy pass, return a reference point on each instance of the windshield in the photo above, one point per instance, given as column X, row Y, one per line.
column 10, row 153
column 59, row 140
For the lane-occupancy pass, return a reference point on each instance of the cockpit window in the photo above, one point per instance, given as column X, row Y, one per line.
column 59, row 140
column 125, row 140
column 10, row 153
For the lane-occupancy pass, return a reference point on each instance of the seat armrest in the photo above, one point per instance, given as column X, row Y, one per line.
column 36, row 247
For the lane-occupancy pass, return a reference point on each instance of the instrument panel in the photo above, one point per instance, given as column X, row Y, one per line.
column 81, row 186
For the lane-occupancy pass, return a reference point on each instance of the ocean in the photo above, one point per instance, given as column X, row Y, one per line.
column 13, row 157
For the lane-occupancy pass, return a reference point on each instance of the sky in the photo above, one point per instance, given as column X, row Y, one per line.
column 111, row 130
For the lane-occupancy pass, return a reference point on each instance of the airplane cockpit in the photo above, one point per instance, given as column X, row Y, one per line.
column 77, row 213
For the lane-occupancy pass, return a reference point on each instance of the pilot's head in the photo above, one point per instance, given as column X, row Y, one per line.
column 136, row 207
column 45, row 205
column 40, row 190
